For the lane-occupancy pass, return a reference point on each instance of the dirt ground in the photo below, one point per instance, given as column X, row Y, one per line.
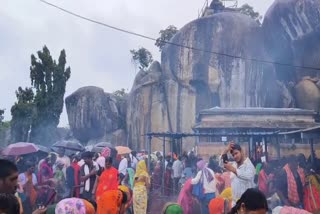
column 157, row 202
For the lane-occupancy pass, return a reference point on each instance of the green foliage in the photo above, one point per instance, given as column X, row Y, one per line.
column 142, row 57
column 49, row 79
column 40, row 112
column 1, row 115
column 248, row 10
column 165, row 36
column 22, row 114
column 120, row 93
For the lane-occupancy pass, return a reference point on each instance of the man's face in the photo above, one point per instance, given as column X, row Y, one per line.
column 31, row 169
column 88, row 161
column 237, row 155
column 108, row 165
column 9, row 184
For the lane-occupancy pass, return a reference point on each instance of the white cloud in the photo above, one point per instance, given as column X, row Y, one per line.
column 97, row 55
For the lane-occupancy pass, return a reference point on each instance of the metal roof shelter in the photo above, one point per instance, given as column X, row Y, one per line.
column 176, row 138
column 308, row 135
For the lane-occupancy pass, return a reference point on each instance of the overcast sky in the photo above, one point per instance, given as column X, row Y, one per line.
column 98, row 56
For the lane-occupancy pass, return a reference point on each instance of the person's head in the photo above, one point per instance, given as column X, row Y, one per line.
column 172, row 208
column 252, row 201
column 29, row 167
column 60, row 164
column 168, row 158
column 51, row 159
column 217, row 206
column 302, row 161
column 141, row 167
column 134, row 153
column 201, row 164
column 9, row 203
column 293, row 162
column 75, row 158
column 87, row 158
column 61, row 152
column 8, row 176
column 237, row 153
column 108, row 163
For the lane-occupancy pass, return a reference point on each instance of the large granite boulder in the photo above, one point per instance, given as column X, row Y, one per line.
column 147, row 108
column 92, row 113
column 203, row 79
column 292, row 35
column 307, row 94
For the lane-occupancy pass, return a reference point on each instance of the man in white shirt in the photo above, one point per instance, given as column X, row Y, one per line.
column 177, row 169
column 64, row 159
column 134, row 160
column 242, row 171
column 207, row 178
column 123, row 165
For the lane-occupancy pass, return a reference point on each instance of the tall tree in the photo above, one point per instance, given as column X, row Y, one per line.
column 1, row 115
column 49, row 79
column 248, row 10
column 165, row 36
column 22, row 114
column 142, row 57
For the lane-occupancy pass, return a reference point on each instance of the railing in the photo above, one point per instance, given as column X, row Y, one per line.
column 203, row 9
column 226, row 4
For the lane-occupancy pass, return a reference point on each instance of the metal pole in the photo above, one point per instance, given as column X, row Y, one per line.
column 163, row 163
column 312, row 151
column 278, row 147
column 250, row 147
column 149, row 153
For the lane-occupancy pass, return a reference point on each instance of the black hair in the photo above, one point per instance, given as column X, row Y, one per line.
column 109, row 160
column 134, row 153
column 236, row 147
column 9, row 203
column 87, row 154
column 253, row 199
column 124, row 197
column 7, row 168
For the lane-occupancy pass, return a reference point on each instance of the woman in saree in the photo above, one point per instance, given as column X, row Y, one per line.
column 140, row 188
column 28, row 180
column 156, row 176
column 112, row 202
column 185, row 199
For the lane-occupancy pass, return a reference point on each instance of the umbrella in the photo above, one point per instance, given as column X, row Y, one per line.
column 104, row 144
column 43, row 149
column 70, row 145
column 122, row 150
column 21, row 148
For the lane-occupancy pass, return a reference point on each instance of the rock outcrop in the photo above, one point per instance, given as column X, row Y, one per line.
column 225, row 59
column 92, row 113
column 147, row 106
column 168, row 98
column 292, row 29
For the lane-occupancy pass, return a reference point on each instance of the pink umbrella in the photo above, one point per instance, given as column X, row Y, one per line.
column 20, row 148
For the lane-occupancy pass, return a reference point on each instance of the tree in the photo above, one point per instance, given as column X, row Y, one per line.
column 142, row 57
column 248, row 10
column 22, row 113
column 165, row 36
column 1, row 115
column 49, row 79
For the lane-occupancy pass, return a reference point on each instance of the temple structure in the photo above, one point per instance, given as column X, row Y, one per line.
column 257, row 129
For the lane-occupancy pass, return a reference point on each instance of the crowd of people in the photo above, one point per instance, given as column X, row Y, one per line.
column 98, row 183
